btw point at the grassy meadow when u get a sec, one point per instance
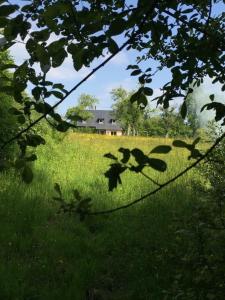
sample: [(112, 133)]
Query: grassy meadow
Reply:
[(138, 253)]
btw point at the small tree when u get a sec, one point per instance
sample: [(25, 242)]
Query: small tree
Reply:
[(130, 115), (80, 111)]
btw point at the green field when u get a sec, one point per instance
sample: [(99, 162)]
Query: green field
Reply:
[(137, 253)]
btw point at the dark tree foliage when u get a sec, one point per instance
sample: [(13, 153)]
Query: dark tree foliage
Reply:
[(184, 37), (9, 122)]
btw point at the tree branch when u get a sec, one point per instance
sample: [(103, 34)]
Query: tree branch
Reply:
[(162, 186)]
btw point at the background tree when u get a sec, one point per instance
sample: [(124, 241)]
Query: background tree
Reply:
[(80, 111), (129, 114), (10, 116), (167, 123)]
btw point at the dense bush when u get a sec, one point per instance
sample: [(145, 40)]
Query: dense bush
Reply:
[(204, 259), (9, 124)]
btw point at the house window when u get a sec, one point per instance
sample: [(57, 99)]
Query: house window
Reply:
[(113, 132), (112, 121), (100, 121)]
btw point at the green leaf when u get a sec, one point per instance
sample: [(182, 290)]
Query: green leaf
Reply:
[(183, 110), (162, 149), (58, 86), (148, 91), (36, 92), (6, 10), (212, 97), (34, 140), (77, 55), (42, 108), (117, 27), (63, 126), (57, 94), (113, 47), (135, 72), (27, 174), (42, 35), (157, 164), (141, 79)]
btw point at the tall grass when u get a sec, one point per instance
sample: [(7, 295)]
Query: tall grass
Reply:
[(127, 255)]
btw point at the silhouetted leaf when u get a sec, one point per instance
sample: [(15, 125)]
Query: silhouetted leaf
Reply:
[(148, 91), (183, 110), (212, 97), (113, 47), (157, 164), (139, 156), (126, 155), (180, 144), (218, 107), (196, 141), (117, 27), (163, 149), (34, 140), (135, 72), (111, 156), (63, 126), (6, 10)]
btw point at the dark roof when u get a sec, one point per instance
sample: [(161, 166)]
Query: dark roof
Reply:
[(107, 115)]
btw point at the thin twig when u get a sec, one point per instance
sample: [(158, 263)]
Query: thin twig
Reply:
[(151, 179)]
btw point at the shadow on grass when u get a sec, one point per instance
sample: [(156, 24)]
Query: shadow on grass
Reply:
[(127, 255)]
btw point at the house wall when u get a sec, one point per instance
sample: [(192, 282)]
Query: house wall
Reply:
[(119, 133), (114, 132)]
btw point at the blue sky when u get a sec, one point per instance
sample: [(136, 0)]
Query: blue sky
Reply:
[(111, 76)]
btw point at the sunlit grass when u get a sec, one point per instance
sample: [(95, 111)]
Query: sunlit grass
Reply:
[(46, 255)]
